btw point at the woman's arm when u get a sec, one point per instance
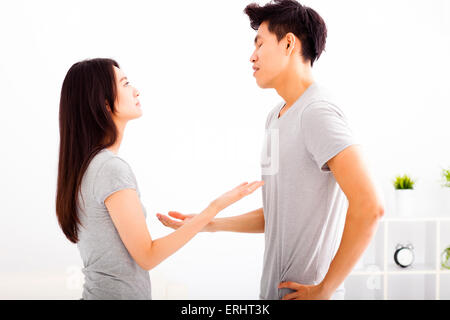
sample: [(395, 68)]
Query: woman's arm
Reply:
[(251, 222), (127, 215)]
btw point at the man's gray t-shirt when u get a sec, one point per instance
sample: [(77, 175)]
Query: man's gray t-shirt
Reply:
[(110, 271), (304, 207)]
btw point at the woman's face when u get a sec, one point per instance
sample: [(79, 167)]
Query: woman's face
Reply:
[(127, 103)]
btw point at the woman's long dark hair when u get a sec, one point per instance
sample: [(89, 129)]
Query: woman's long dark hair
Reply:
[(86, 127)]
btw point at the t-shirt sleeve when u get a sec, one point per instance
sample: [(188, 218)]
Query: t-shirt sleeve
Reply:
[(114, 175), (326, 132)]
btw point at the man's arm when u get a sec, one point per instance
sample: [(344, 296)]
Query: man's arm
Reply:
[(251, 222), (364, 211)]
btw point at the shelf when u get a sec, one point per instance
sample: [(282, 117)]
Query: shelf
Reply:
[(412, 287), (444, 242), (365, 273), (393, 269), (415, 268), (416, 219), (444, 292), (376, 276), (422, 235), (364, 287)]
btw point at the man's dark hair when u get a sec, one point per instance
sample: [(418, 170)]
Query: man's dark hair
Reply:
[(284, 16)]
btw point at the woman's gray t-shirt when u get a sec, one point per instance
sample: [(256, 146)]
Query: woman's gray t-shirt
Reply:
[(110, 271)]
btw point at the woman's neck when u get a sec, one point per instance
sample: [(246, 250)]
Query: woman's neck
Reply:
[(120, 131)]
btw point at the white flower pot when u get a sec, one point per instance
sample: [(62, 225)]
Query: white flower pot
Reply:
[(404, 200)]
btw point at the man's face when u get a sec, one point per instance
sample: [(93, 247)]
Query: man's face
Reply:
[(269, 58)]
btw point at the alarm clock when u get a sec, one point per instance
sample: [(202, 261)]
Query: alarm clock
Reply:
[(404, 255)]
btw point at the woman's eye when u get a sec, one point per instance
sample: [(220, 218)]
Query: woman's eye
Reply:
[(127, 83)]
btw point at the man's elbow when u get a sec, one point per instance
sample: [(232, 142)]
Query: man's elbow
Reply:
[(380, 211), (375, 211), (372, 211)]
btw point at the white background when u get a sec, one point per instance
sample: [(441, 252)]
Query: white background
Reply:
[(203, 123)]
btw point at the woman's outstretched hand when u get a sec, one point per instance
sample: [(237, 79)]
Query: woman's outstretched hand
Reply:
[(175, 224), (236, 194), (218, 204)]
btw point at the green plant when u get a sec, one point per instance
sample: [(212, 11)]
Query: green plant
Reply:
[(403, 182), (446, 178), (445, 263)]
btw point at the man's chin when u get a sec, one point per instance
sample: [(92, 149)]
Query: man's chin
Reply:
[(261, 84), (264, 85)]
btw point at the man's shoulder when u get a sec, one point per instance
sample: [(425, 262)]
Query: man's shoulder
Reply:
[(321, 93), (322, 99)]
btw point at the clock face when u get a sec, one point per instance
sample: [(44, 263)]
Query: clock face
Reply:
[(404, 257)]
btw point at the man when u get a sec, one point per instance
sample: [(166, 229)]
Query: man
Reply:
[(320, 205)]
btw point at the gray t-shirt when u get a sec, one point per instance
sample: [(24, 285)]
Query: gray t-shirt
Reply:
[(110, 271), (304, 207)]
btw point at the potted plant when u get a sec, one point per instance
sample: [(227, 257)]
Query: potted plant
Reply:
[(445, 258), (404, 187), (446, 185)]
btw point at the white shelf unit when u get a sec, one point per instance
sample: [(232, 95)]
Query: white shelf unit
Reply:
[(377, 277)]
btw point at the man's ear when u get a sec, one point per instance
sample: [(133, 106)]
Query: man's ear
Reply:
[(291, 41)]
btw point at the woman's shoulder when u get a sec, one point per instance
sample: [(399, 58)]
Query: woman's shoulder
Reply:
[(107, 162), (108, 173)]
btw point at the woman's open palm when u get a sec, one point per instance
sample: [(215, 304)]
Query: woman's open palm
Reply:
[(225, 200)]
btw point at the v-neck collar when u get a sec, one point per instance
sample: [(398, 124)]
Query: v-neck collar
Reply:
[(297, 102)]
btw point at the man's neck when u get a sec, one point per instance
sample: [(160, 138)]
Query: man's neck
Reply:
[(293, 84)]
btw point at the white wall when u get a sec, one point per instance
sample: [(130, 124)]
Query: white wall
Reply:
[(203, 121)]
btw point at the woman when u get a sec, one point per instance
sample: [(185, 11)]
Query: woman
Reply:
[(98, 200)]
